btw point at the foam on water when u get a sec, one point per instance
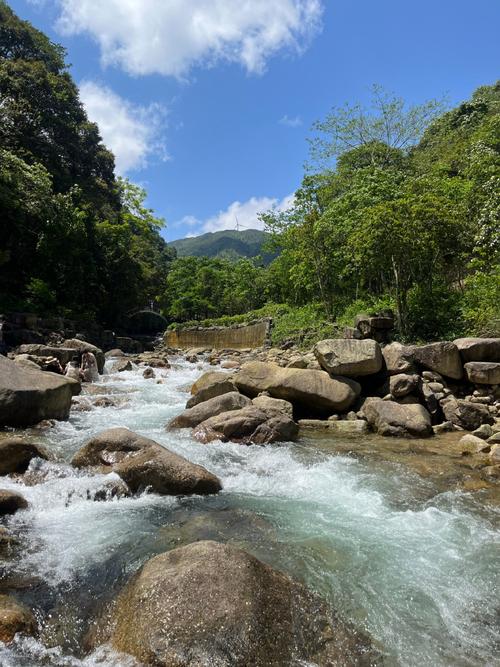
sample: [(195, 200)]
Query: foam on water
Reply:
[(421, 576)]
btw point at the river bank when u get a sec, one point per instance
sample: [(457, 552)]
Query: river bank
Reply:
[(407, 557)]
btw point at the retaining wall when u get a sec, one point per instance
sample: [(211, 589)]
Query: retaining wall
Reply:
[(219, 338)]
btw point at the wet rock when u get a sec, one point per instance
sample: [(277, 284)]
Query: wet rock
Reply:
[(143, 463), (479, 349), (248, 425), (484, 432), (472, 444), (352, 358), (442, 357), (269, 404), (16, 454), (7, 541), (483, 372), (104, 402), (398, 359), (402, 384), (214, 406), (149, 374), (122, 366), (218, 387), (310, 389), (444, 427), (212, 604), (342, 427), (14, 618), (11, 502), (114, 353), (393, 419), (28, 396), (469, 416)]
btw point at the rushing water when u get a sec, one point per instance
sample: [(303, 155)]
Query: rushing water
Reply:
[(415, 567)]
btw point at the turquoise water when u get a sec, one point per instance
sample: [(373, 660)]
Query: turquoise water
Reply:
[(414, 567)]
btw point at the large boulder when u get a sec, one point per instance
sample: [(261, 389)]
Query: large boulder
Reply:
[(352, 358), (479, 349), (394, 419), (212, 604), (14, 618), (143, 463), (306, 388), (443, 358), (465, 414), (16, 454), (28, 396), (483, 372), (249, 425), (218, 387), (208, 378), (214, 406), (80, 346), (398, 359)]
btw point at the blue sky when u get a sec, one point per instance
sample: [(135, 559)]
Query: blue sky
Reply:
[(208, 103)]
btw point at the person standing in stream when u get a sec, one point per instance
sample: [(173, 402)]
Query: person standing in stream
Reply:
[(89, 368)]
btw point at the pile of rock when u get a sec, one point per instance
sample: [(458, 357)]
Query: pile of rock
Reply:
[(395, 390)]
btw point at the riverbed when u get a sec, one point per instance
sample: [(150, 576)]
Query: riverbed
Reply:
[(408, 559)]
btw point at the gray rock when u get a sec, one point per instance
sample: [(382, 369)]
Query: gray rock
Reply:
[(29, 396), (398, 359), (479, 349), (483, 372), (442, 357), (402, 384), (465, 414), (214, 406), (350, 358), (393, 419), (212, 604), (311, 389), (143, 463), (249, 425)]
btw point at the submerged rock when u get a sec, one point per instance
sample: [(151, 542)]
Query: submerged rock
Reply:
[(11, 502), (352, 358), (214, 406), (14, 618), (143, 464), (212, 604), (16, 454), (310, 389), (397, 420), (29, 396), (248, 425)]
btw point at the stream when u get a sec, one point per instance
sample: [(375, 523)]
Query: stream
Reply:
[(412, 562)]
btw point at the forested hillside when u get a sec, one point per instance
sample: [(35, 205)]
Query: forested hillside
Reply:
[(399, 209), (74, 240), (227, 244)]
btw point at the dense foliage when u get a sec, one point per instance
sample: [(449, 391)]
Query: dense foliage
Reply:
[(74, 240)]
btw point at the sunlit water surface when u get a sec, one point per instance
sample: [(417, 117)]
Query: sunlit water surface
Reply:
[(418, 570)]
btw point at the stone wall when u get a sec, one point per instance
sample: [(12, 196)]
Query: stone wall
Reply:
[(219, 338)]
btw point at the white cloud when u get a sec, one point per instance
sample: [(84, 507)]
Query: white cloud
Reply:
[(295, 121), (238, 214), (170, 36), (131, 132)]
